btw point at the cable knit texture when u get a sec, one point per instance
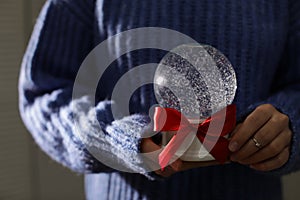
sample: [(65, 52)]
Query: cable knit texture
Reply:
[(261, 39)]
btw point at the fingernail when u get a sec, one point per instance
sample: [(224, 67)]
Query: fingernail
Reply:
[(252, 166), (232, 158), (233, 146), (176, 165)]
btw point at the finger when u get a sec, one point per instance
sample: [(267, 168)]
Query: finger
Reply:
[(186, 165), (264, 136), (274, 148), (274, 162), (237, 127), (252, 123), (148, 146), (166, 172)]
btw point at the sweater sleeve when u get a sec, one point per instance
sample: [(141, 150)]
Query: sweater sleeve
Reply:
[(62, 38), (286, 96)]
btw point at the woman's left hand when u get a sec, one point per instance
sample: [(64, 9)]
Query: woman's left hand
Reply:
[(262, 140)]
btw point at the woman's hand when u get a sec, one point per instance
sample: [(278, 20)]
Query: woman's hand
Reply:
[(148, 145), (262, 140)]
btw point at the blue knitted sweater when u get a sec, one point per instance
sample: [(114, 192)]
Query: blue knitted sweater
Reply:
[(261, 39)]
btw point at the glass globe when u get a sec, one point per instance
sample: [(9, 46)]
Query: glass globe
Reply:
[(197, 80)]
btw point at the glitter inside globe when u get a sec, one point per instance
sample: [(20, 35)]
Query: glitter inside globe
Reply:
[(197, 80)]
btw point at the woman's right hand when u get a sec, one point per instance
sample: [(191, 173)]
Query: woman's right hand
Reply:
[(147, 146)]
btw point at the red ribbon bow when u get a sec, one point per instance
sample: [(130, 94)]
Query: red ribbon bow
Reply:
[(169, 119)]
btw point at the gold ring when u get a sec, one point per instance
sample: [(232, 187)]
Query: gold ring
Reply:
[(257, 144)]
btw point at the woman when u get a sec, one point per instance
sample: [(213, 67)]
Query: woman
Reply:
[(261, 39)]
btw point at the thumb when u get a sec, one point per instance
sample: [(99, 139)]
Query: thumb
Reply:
[(148, 146)]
